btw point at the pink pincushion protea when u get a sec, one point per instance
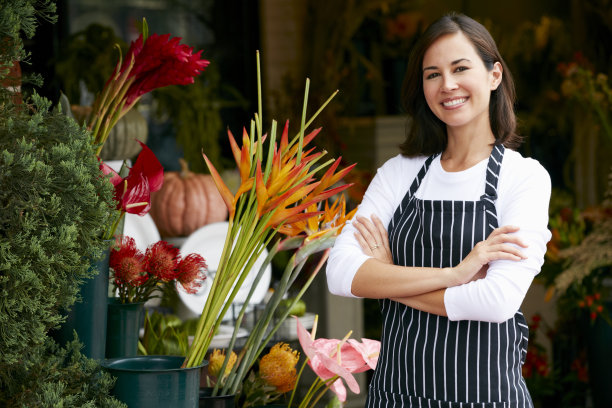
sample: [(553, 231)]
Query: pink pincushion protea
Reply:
[(127, 263), (191, 272), (161, 261)]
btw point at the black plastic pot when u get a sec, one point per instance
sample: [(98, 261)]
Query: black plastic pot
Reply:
[(154, 381), (219, 401)]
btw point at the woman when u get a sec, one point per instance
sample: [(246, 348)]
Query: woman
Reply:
[(467, 231)]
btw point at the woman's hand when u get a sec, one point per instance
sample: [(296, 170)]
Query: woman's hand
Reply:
[(497, 246), (373, 239)]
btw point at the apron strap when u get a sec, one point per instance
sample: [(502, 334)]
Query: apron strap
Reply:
[(421, 174), (490, 195), (410, 193)]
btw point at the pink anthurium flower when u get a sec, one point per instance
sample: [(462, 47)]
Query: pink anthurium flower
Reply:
[(329, 358), (369, 349)]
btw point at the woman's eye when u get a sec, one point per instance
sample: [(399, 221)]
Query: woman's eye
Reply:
[(459, 69), (432, 75)]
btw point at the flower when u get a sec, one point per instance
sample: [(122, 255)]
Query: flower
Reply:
[(317, 238), (133, 193), (215, 363), (335, 360), (277, 367), (275, 190), (157, 62), (151, 62), (369, 349), (190, 274), (320, 358), (161, 261), (127, 263), (319, 224), (136, 274)]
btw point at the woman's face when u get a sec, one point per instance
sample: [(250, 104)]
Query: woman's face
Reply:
[(456, 83)]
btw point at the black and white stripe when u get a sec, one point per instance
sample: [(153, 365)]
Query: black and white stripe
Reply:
[(427, 360)]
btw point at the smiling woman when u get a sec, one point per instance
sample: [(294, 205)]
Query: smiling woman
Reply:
[(450, 234)]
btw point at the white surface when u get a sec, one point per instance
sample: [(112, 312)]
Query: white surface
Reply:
[(224, 335), (288, 328), (208, 241)]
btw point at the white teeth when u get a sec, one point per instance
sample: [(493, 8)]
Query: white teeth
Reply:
[(454, 102)]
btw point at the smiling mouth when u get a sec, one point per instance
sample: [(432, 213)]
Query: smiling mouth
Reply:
[(453, 102)]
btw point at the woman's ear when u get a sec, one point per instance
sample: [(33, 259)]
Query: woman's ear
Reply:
[(496, 75)]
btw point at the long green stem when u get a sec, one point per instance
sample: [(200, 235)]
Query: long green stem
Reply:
[(327, 383), (303, 122)]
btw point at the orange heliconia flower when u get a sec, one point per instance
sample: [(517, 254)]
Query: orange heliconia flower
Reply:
[(288, 187), (321, 223)]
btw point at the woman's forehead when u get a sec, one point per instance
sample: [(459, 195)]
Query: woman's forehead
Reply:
[(449, 49)]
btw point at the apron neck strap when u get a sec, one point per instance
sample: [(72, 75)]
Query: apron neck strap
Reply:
[(493, 168), (419, 178)]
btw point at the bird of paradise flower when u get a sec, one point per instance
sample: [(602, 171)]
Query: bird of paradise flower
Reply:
[(274, 191)]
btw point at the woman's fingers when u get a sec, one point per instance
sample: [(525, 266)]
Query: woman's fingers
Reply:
[(363, 244), (369, 225), (508, 238), (382, 231)]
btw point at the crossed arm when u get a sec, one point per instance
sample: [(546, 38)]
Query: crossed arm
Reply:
[(424, 288)]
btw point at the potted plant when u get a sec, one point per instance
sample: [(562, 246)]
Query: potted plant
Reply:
[(55, 206)]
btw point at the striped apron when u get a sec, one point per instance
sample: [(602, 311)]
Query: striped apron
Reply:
[(427, 360)]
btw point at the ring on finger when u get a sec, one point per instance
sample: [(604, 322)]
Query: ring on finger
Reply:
[(373, 247)]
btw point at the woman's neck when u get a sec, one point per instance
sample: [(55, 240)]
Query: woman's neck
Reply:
[(466, 147)]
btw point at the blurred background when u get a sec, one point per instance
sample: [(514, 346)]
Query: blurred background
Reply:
[(558, 52)]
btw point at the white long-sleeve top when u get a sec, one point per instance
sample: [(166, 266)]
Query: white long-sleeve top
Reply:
[(523, 192)]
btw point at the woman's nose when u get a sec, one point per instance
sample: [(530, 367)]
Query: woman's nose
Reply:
[(448, 83)]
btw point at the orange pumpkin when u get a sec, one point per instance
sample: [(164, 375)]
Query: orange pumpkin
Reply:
[(186, 202)]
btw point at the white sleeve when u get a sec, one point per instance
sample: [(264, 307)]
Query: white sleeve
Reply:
[(380, 198), (498, 296)]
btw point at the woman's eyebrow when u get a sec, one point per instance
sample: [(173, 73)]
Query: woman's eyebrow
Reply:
[(452, 63)]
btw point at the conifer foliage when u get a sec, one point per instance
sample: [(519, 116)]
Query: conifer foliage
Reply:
[(54, 205)]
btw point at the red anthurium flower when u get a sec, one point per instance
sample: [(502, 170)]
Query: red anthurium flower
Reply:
[(133, 193), (191, 272), (127, 263), (161, 261)]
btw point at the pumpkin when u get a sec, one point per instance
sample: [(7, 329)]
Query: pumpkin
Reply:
[(121, 143), (186, 202)]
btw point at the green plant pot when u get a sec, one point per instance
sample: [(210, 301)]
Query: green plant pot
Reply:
[(88, 316), (599, 342), (219, 401), (154, 381), (123, 328)]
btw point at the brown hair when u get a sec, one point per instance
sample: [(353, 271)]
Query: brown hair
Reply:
[(426, 134)]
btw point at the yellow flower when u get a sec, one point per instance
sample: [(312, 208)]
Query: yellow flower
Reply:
[(215, 362), (277, 367)]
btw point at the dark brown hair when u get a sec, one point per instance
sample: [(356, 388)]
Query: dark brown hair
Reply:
[(426, 133)]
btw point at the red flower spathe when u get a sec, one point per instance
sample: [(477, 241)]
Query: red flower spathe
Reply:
[(133, 193), (160, 61)]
